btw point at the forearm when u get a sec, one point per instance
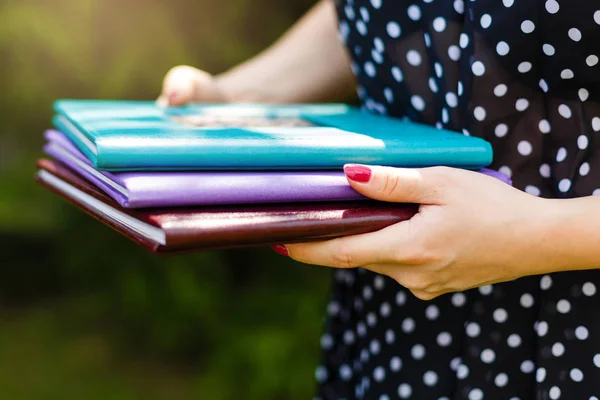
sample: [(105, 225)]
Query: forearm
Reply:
[(571, 239), (307, 64)]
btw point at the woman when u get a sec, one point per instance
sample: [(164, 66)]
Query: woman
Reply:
[(524, 75)]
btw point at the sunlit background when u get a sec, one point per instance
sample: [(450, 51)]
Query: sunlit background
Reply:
[(85, 314)]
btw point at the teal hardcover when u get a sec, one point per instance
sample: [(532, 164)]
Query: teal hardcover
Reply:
[(129, 135)]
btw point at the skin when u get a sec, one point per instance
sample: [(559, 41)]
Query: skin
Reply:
[(471, 230)]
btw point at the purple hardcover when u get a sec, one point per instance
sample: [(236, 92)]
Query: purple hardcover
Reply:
[(178, 189)]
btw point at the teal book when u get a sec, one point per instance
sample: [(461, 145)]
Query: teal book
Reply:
[(130, 136)]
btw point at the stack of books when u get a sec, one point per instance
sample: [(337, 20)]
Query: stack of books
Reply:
[(219, 176)]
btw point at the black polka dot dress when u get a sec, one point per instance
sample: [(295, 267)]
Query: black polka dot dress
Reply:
[(524, 75)]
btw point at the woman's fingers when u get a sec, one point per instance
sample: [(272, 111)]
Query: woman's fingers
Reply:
[(185, 84)]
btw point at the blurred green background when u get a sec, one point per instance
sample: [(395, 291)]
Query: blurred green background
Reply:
[(85, 314)]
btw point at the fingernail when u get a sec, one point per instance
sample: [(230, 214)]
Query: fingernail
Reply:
[(358, 173), (172, 96), (281, 249)]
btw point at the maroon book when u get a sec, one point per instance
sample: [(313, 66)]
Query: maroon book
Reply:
[(219, 227)]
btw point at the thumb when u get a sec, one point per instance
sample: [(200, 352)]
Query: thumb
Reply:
[(184, 84), (397, 185)]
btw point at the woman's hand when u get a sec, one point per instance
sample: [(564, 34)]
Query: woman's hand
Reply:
[(184, 84), (471, 230)]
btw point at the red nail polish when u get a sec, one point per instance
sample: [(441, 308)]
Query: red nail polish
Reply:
[(172, 96), (358, 173), (281, 249)]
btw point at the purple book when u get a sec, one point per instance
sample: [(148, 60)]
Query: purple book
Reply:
[(177, 189)]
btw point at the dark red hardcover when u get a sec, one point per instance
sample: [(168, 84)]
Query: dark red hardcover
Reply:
[(219, 227)]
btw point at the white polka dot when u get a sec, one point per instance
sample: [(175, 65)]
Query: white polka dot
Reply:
[(581, 332), (408, 325), (591, 60), (526, 300), (376, 4), (584, 169), (524, 148), (464, 40), (345, 372), (444, 339), (488, 356), (542, 328), (544, 126), (478, 68), (563, 306), (393, 29), (583, 94), (597, 17), (505, 170), (500, 315), (430, 378), (349, 11), (376, 56), (414, 58), (445, 115), (543, 85), (371, 319), (400, 298), (576, 375), (596, 192), (527, 367), (321, 374), (459, 6), (527, 26), (565, 111), (567, 74), (473, 329), (417, 351), (502, 48), (486, 21), (439, 71), (508, 3), (532, 190), (500, 90), (378, 43), (385, 309), (521, 104), (389, 95), (397, 74), (417, 102), (548, 49), (552, 6), (589, 289), (432, 312), (558, 349), (364, 13), (370, 69), (404, 391), (367, 292), (554, 393), (540, 375), (454, 363), (361, 329), (361, 27), (486, 290), (395, 364), (451, 99), (561, 154), (596, 124), (379, 374), (476, 394), (390, 336), (414, 12), (349, 337), (575, 34), (462, 371), (501, 379), (458, 299), (479, 113), (524, 67), (501, 130), (439, 24), (326, 341), (564, 185), (545, 171), (374, 347), (454, 52), (432, 85), (582, 142), (597, 360), (514, 340)]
